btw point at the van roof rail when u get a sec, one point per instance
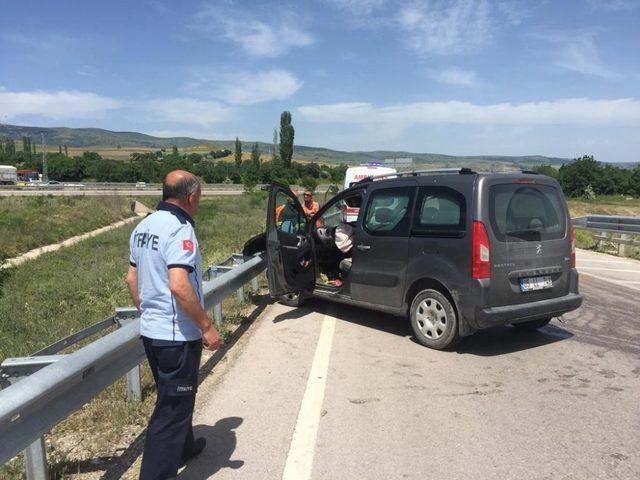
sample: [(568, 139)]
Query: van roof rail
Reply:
[(415, 173)]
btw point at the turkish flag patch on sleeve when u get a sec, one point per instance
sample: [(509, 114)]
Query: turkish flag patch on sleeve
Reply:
[(187, 245)]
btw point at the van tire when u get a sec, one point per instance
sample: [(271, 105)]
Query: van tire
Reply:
[(532, 324), (434, 320), (291, 299)]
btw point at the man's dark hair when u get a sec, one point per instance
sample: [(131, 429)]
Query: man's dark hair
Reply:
[(180, 189)]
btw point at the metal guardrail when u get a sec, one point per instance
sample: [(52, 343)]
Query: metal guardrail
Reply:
[(621, 230), (31, 407)]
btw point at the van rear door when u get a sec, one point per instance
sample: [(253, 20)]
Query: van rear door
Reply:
[(530, 239)]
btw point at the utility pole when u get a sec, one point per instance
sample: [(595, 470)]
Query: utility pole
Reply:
[(45, 172)]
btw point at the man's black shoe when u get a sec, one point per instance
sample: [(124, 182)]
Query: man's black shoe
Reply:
[(198, 447)]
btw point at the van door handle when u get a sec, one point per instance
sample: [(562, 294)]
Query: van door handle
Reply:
[(363, 248)]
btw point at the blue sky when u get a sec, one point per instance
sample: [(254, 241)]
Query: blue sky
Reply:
[(510, 77)]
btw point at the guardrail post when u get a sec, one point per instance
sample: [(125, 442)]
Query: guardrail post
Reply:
[(217, 308), (134, 387), (622, 246), (35, 461)]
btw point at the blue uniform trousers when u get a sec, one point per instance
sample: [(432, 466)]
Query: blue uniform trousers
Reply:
[(169, 439)]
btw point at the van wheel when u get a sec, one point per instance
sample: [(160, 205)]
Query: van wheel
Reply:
[(532, 324), (291, 299), (434, 320)]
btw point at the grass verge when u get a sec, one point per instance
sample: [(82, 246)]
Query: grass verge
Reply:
[(62, 292), (31, 222)]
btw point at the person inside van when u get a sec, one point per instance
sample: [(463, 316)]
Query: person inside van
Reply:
[(344, 237)]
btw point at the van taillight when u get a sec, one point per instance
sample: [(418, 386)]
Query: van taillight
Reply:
[(572, 261), (481, 252)]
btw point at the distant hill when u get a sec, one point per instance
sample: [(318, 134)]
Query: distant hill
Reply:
[(94, 137)]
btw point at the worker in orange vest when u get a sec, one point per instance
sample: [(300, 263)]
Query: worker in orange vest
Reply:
[(309, 206)]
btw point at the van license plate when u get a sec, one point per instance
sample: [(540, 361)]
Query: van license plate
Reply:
[(535, 283)]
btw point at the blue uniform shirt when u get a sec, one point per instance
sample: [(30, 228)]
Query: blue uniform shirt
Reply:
[(163, 240)]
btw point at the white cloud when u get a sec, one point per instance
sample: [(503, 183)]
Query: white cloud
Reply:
[(571, 111), (247, 88), (614, 5), (456, 76), (189, 111), (514, 11), (242, 88), (262, 40), (458, 26), (358, 6), (578, 52), (57, 105), (256, 36)]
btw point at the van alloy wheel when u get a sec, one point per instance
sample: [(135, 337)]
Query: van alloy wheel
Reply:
[(434, 320)]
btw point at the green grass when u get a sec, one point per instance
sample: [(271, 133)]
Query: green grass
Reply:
[(604, 205), (31, 222), (62, 292)]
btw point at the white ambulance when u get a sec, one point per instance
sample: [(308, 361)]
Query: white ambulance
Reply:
[(354, 174)]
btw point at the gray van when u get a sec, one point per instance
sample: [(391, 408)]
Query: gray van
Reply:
[(455, 252)]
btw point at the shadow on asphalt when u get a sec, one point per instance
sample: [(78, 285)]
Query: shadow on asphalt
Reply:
[(221, 443), (485, 343), (503, 340)]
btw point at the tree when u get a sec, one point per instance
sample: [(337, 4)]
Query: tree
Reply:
[(33, 146), (26, 148), (66, 150), (309, 183), (547, 170), (275, 145), (60, 149), (174, 150), (287, 133), (238, 153), (255, 155)]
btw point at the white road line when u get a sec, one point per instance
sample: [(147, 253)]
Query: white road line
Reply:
[(622, 283), (600, 269), (300, 457)]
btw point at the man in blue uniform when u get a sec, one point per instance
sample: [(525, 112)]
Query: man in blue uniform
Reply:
[(165, 283)]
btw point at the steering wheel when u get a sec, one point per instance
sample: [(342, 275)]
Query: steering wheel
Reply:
[(302, 241), (324, 234)]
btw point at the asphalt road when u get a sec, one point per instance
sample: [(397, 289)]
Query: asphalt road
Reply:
[(335, 392)]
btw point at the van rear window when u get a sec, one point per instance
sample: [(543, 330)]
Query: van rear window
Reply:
[(526, 212)]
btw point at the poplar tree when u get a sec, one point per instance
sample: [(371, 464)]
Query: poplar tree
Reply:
[(275, 145), (238, 153), (255, 155), (287, 133)]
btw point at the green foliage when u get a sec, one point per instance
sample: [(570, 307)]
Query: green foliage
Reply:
[(255, 155), (238, 152), (548, 170), (589, 194), (275, 145), (309, 183), (220, 153), (287, 133)]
